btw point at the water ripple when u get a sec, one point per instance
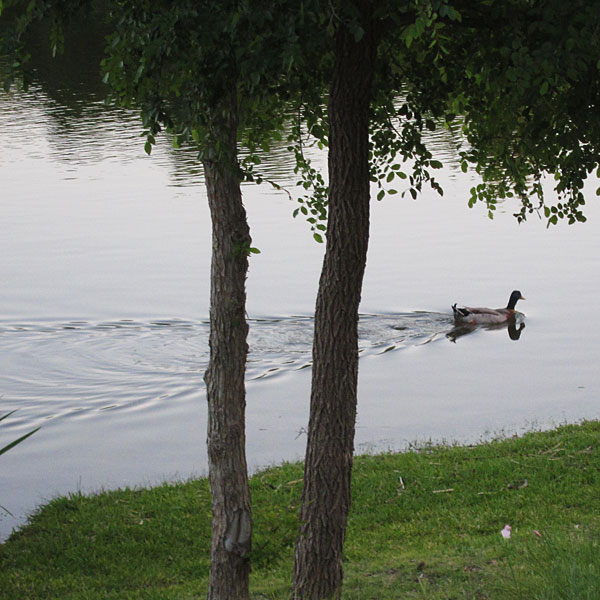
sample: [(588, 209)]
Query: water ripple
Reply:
[(77, 368)]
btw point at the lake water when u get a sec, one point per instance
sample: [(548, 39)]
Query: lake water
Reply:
[(104, 274)]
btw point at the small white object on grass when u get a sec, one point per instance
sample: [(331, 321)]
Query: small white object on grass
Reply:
[(505, 533)]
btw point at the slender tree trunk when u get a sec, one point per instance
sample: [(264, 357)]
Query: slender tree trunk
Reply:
[(231, 510), (328, 467)]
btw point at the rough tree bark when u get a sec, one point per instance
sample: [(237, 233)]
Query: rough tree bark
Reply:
[(231, 509), (328, 464)]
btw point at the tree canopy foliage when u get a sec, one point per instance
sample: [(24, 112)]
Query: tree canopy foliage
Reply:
[(529, 88), (177, 60), (517, 83), (517, 80)]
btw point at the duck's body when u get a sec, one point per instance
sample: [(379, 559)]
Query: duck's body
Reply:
[(468, 315)]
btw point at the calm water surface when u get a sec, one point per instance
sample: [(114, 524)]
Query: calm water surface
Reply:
[(104, 272)]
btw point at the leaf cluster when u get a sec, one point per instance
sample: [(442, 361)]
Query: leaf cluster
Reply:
[(179, 60), (517, 79), (529, 88), (401, 116)]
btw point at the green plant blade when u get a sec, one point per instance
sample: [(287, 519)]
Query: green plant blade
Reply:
[(17, 441), (7, 414)]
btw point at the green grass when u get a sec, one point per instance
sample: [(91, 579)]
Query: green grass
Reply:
[(425, 524)]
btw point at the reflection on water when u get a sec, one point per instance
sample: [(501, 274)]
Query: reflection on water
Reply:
[(514, 328)]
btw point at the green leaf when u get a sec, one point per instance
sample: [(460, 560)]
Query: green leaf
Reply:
[(543, 88), (357, 31), (381, 194), (408, 35), (318, 237), (253, 251), (17, 441), (598, 191), (148, 147), (7, 414)]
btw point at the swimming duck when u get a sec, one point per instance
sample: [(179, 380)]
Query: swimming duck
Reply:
[(475, 316)]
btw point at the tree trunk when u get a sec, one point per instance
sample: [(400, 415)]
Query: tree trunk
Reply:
[(328, 466), (231, 509)]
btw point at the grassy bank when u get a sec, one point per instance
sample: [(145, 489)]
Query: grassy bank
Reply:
[(425, 524)]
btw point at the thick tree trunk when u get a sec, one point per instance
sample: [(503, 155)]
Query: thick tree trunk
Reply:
[(231, 510), (328, 466)]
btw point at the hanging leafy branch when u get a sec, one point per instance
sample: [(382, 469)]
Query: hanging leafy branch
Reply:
[(313, 204), (529, 88)]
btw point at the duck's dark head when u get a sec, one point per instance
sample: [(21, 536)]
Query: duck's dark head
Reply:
[(514, 297)]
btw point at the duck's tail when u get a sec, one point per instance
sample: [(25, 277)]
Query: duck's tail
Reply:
[(460, 312)]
